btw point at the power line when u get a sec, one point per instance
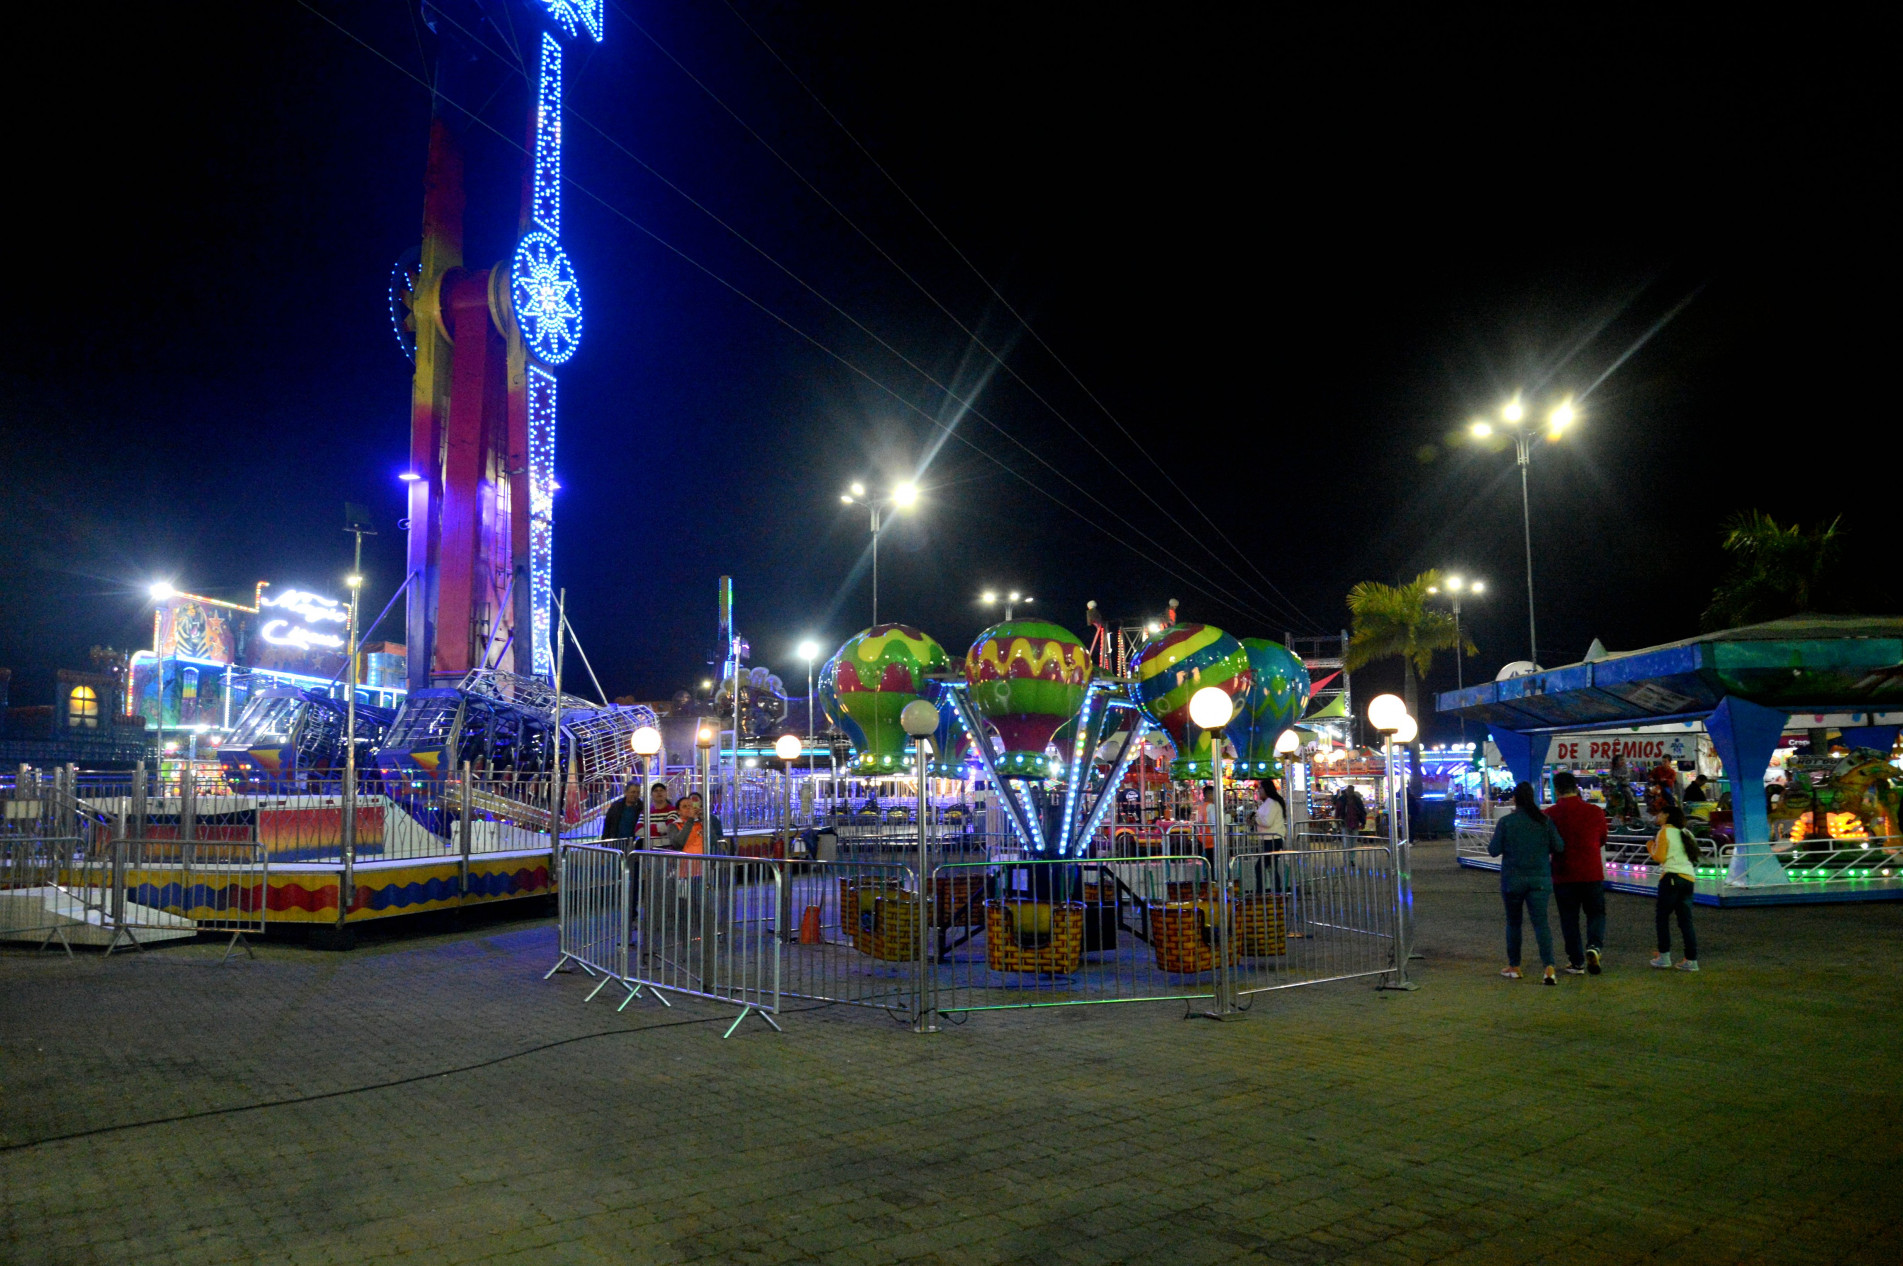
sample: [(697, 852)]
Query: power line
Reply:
[(1195, 582), (963, 328), (965, 404), (1006, 304)]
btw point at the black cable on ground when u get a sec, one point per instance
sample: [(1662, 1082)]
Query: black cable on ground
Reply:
[(381, 1085)]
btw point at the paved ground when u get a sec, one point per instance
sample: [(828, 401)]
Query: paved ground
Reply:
[(1751, 1113)]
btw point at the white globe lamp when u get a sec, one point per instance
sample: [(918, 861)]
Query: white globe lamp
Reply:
[(1211, 707), (787, 747), (646, 741), (1407, 731), (1385, 712)]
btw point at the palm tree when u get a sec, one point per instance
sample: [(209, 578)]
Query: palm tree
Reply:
[(1774, 571), (1395, 620)]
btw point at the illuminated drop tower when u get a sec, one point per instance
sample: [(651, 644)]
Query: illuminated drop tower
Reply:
[(486, 343)]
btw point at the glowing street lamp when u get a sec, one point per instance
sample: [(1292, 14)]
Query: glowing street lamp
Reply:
[(990, 598), (1514, 414), (902, 497)]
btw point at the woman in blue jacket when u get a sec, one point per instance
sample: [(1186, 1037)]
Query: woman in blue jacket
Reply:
[(1526, 841)]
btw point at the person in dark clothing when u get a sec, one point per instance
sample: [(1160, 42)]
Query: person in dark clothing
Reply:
[(1526, 842), (1699, 791), (1579, 874), (623, 819)]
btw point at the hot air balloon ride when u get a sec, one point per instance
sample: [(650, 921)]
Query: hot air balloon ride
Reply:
[(1027, 678), (1175, 664), (873, 677), (1278, 691)]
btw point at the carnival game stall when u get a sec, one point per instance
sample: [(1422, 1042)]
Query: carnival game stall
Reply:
[(1793, 724)]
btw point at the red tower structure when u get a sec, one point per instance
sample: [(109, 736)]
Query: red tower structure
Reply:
[(486, 343)]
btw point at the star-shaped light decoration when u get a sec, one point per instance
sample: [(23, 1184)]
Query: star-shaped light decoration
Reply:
[(547, 298)]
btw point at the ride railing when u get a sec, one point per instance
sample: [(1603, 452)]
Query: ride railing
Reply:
[(1854, 863)]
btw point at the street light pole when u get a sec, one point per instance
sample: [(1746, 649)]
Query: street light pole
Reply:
[(875, 564), (1526, 524)]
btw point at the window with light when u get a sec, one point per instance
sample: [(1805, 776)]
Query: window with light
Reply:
[(82, 708)]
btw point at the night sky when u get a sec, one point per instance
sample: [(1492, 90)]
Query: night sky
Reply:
[(1283, 265)]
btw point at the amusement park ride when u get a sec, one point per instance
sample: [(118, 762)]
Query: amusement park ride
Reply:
[(486, 343)]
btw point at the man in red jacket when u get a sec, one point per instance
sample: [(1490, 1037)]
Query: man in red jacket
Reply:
[(1579, 873)]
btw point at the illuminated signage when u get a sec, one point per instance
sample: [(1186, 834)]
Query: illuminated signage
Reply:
[(284, 633), (308, 607), (300, 620)]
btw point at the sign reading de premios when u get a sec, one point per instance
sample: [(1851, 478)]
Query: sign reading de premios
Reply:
[(1595, 751)]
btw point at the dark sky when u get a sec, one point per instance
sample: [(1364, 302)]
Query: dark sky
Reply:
[(1289, 260)]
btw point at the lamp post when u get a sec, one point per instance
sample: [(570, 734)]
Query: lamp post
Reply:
[(160, 591), (1388, 714), (920, 720), (990, 598), (1513, 415), (902, 497), (1210, 708), (1288, 748), (646, 742), (809, 651), (1455, 586)]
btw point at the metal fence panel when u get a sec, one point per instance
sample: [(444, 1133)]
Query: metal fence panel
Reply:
[(594, 916), (1309, 915), (709, 926), (170, 885), (37, 901), (852, 933)]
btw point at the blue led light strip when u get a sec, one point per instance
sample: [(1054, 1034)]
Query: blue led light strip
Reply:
[(1131, 746), (546, 199), (1077, 768), (541, 389), (573, 16), (1034, 830), (981, 744)]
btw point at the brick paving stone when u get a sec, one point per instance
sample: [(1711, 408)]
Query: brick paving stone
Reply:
[(1748, 1114)]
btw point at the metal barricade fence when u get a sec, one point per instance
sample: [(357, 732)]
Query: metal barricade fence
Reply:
[(1309, 915), (1069, 932), (595, 913), (709, 926), (37, 898), (852, 933), (179, 885)]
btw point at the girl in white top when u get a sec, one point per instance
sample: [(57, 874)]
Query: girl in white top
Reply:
[(1271, 816), (1676, 852)]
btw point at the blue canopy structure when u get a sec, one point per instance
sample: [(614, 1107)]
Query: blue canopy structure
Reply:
[(1743, 683)]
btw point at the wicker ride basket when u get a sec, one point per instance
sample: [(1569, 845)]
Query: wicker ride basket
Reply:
[(1034, 936), (1184, 935), (881, 917), (958, 901)]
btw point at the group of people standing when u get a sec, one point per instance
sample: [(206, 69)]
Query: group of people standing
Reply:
[(1559, 852), (683, 826)]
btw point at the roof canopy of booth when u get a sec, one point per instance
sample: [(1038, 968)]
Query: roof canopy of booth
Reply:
[(1744, 683), (1808, 663)]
